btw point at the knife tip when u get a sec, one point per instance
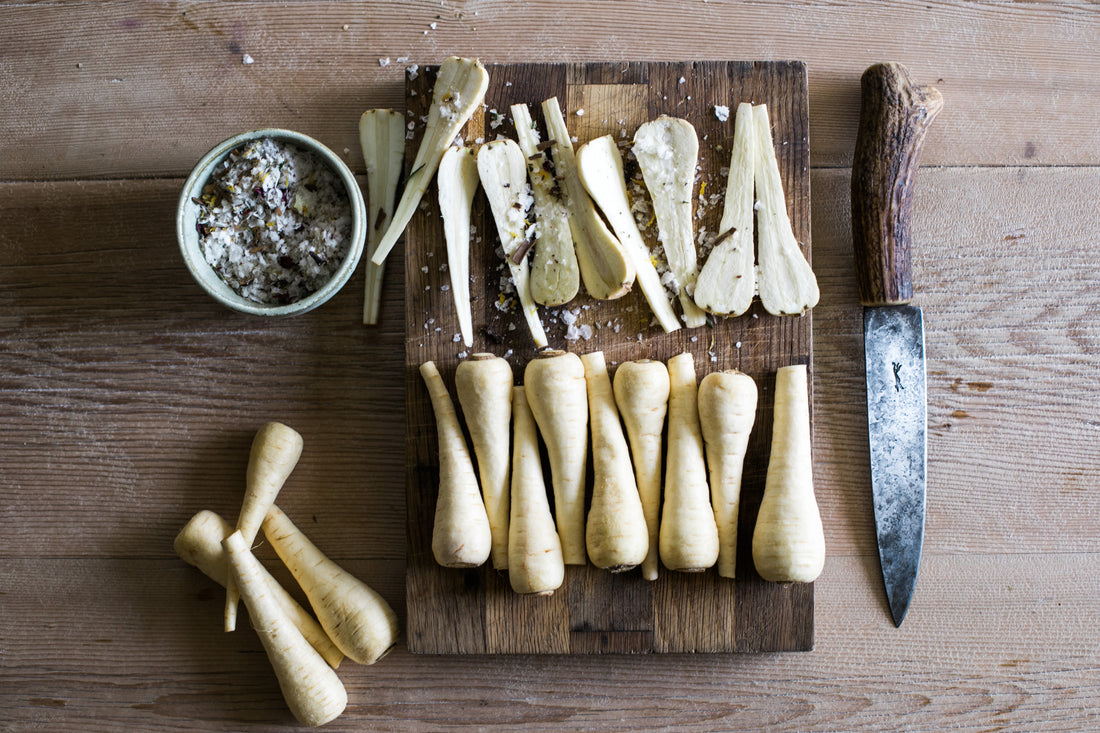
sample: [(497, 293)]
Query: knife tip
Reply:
[(898, 608)]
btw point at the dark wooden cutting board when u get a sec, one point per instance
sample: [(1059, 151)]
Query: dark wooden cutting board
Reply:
[(475, 611)]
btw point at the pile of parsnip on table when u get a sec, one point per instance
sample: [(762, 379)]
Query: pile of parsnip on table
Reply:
[(352, 620), (565, 217), (684, 515)]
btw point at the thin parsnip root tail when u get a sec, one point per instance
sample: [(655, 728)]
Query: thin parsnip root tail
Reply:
[(199, 543), (727, 411), (667, 150), (484, 386), (788, 543), (382, 138), (727, 282), (274, 454), (459, 89), (601, 169), (689, 535), (555, 275), (785, 279), (641, 393), (558, 397), (310, 687), (616, 534), (604, 266), (535, 563), (461, 537), (503, 172), (358, 620), (457, 182)]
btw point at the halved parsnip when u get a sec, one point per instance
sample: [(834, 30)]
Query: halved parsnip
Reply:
[(459, 89), (606, 270), (457, 182), (382, 138), (786, 281), (503, 172), (727, 282), (601, 169), (555, 275), (667, 150)]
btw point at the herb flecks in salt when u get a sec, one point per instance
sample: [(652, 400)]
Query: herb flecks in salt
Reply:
[(274, 222)]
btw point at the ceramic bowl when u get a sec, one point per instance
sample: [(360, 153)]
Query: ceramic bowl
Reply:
[(188, 212)]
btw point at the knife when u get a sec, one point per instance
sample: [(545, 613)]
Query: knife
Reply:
[(894, 116)]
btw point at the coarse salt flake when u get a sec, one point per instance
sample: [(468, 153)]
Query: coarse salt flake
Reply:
[(722, 112), (247, 60)]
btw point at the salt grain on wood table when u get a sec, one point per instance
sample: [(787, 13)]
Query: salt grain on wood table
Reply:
[(128, 398)]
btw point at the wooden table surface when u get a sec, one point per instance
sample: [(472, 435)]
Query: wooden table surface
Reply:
[(128, 398)]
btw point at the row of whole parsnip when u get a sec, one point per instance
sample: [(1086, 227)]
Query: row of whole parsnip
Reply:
[(565, 398), (352, 620)]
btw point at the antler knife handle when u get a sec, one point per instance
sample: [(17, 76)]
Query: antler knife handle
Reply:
[(894, 116)]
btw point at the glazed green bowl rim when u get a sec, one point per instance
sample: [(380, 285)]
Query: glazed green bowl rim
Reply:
[(191, 249)]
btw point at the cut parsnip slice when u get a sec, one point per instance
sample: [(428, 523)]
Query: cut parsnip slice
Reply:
[(555, 275), (667, 150), (459, 89), (605, 269), (382, 138), (601, 169), (785, 280), (727, 282), (503, 173), (457, 182)]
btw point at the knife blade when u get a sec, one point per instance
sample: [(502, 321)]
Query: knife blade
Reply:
[(894, 117)]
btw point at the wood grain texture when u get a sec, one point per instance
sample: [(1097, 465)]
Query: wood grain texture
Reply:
[(136, 89), (122, 413), (466, 611)]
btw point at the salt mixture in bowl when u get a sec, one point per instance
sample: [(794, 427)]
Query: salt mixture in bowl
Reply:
[(271, 222)]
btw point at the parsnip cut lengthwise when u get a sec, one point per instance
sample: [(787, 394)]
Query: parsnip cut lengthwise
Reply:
[(727, 282), (667, 150), (604, 266), (457, 182), (382, 137), (459, 89), (601, 169), (785, 281), (503, 172), (555, 275)]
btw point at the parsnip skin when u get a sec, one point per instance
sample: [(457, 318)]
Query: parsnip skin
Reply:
[(616, 534), (310, 687), (558, 397), (274, 454), (641, 393), (199, 543), (689, 535), (788, 543), (484, 386), (358, 620), (535, 564), (727, 411), (461, 537)]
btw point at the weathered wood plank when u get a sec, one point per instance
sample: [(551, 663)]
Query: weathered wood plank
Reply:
[(1007, 640), (140, 89)]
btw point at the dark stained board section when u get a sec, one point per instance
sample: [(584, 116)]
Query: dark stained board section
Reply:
[(475, 611)]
